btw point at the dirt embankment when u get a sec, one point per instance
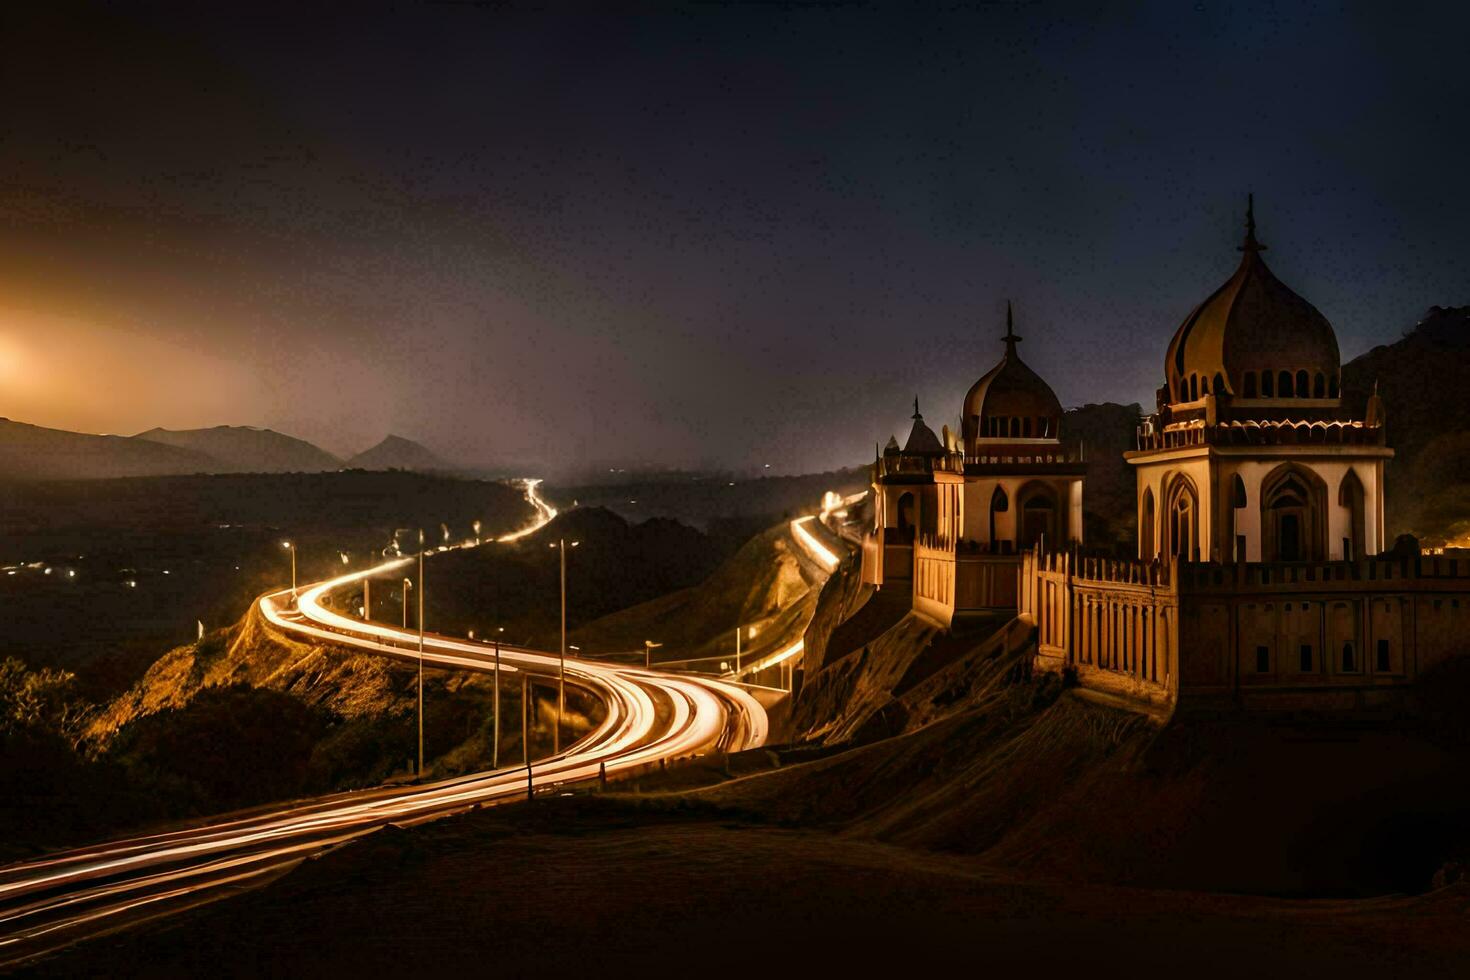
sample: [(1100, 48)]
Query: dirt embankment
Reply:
[(947, 742), (366, 703), (768, 587)]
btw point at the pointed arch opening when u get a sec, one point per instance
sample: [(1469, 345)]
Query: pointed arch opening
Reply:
[(1036, 517), (999, 504), (1350, 497), (1181, 524), (1293, 515), (906, 518), (1147, 520)]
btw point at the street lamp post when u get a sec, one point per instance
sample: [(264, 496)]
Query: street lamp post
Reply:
[(737, 651), (526, 721), (421, 653), (407, 588), (648, 648), (291, 547), (561, 670), (495, 739)]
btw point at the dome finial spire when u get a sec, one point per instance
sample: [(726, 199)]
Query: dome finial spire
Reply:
[(916, 414), (1251, 245), (1010, 338)]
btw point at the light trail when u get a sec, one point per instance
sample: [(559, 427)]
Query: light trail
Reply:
[(820, 552), (65, 897)]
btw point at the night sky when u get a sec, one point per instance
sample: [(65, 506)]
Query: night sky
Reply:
[(704, 236)]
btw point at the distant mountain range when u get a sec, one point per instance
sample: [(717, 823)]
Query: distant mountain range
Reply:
[(246, 450), (33, 452)]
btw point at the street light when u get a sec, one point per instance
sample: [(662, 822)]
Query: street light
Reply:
[(495, 741), (291, 547), (407, 588), (561, 670), (421, 654), (648, 648)]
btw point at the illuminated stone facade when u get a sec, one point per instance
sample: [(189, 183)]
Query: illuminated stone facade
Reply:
[(1251, 455), (1260, 578)]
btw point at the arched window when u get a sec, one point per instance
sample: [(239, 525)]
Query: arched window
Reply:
[(1319, 386), (906, 517), (1250, 384), (1183, 520), (1283, 384), (1267, 390), (999, 504), (1237, 492), (1303, 385), (1015, 428), (1350, 498), (1026, 427), (1348, 662), (1204, 385), (1332, 386), (1193, 387), (1146, 521), (1219, 388)]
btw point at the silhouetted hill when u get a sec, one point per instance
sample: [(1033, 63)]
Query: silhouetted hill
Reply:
[(615, 564), (711, 501), (398, 453), (1106, 431), (32, 452), (1424, 380), (243, 449)]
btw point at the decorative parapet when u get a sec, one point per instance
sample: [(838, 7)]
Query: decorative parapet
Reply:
[(896, 464), (906, 464), (1150, 438)]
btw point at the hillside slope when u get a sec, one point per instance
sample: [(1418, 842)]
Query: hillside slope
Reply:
[(243, 449), (1424, 380), (32, 452)]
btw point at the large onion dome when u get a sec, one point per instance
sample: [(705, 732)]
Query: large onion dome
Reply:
[(1253, 338), (1010, 401)]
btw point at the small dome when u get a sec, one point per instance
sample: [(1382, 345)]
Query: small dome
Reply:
[(1010, 401), (1253, 338), (922, 440)]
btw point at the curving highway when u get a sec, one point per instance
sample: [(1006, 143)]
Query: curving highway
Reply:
[(651, 718)]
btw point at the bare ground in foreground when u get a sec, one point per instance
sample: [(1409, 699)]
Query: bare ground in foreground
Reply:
[(587, 886)]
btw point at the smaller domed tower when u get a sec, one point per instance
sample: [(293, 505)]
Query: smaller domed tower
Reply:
[(1251, 455), (1022, 486), (953, 511)]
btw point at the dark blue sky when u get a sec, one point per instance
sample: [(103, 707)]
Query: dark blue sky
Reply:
[(697, 236)]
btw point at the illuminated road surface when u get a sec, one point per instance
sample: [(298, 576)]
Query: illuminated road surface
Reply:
[(72, 895)]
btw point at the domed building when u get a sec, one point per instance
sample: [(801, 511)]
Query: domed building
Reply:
[(953, 511), (1250, 455)]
